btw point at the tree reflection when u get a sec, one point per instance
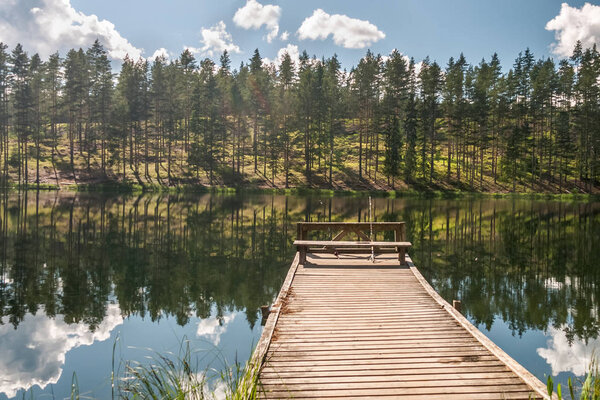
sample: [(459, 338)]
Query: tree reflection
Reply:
[(527, 262), (531, 263)]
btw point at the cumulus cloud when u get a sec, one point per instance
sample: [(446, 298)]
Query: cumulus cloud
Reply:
[(573, 24), (285, 36), (45, 26), (162, 52), (35, 353), (215, 39), (212, 328), (290, 49), (565, 357), (347, 32), (254, 15)]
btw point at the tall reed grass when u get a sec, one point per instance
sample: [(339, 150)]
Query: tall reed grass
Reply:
[(590, 385), (178, 376)]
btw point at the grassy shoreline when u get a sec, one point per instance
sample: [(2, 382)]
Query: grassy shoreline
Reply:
[(118, 187)]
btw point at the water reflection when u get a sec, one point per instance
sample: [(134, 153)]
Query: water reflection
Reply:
[(212, 328), (568, 355), (35, 353), (82, 264)]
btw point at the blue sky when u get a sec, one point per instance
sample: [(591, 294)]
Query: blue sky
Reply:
[(435, 28)]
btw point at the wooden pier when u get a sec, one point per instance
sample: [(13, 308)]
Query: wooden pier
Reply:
[(347, 326)]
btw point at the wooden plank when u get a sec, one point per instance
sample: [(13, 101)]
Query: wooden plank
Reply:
[(441, 360), (348, 328), (265, 340), (340, 225), (399, 388), (405, 370), (350, 243), (447, 396), (425, 381), (527, 376)]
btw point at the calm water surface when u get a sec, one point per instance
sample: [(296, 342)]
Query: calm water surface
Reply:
[(83, 273)]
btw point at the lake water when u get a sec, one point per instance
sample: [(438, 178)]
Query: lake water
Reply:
[(84, 277)]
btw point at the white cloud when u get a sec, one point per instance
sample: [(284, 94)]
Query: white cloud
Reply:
[(565, 357), (215, 39), (350, 33), (254, 15), (285, 36), (34, 354), (212, 328), (573, 24), (291, 49), (162, 52), (45, 26)]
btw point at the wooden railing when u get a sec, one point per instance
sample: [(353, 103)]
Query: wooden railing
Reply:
[(362, 230)]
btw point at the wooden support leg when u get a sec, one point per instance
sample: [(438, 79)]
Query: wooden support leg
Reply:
[(402, 255), (302, 250)]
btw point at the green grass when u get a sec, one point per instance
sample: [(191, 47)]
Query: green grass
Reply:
[(590, 386), (170, 376), (57, 172), (177, 377)]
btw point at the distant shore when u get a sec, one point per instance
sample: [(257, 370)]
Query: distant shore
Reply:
[(120, 187)]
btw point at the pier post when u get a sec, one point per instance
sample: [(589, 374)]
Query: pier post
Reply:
[(457, 305)]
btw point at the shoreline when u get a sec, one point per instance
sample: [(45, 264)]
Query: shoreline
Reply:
[(122, 188)]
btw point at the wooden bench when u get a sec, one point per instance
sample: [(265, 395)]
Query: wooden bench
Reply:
[(303, 247), (362, 230)]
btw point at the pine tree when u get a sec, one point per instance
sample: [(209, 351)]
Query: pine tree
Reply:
[(158, 100), (565, 142), (305, 95), (101, 92), (287, 78), (430, 78), (36, 113), (52, 87), (396, 84), (21, 92), (4, 110), (333, 108), (224, 83), (411, 123), (366, 78), (257, 100), (76, 92)]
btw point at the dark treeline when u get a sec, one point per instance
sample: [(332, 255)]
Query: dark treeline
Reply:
[(386, 123), (157, 256), (532, 264)]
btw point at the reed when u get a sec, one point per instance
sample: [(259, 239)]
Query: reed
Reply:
[(178, 377), (590, 386)]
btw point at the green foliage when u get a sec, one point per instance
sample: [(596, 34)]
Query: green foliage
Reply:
[(167, 376), (177, 377), (386, 121), (590, 387)]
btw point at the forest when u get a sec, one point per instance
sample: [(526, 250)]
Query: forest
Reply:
[(388, 123)]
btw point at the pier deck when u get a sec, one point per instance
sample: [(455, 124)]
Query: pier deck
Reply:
[(349, 328)]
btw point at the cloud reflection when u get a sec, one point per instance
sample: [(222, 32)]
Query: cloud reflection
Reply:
[(35, 353), (212, 328), (565, 357)]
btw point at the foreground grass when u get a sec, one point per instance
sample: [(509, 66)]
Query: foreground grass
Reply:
[(177, 376), (590, 386)]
